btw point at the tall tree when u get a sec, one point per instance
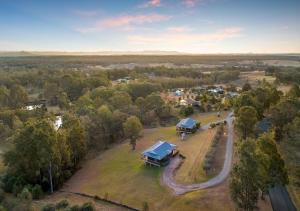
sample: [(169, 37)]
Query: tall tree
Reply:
[(35, 153), (271, 165), (132, 128), (246, 120), (244, 185), (75, 136)]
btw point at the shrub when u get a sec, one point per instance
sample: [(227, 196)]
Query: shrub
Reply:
[(75, 208), (198, 125), (209, 157), (186, 110), (62, 204), (145, 206), (37, 192), (88, 206), (49, 207), (25, 195)]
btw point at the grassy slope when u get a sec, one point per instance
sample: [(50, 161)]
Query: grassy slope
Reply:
[(121, 174)]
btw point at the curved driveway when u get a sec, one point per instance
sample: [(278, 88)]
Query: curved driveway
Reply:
[(168, 174)]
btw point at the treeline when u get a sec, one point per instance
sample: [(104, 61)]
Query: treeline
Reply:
[(285, 75), (260, 165), (43, 156)]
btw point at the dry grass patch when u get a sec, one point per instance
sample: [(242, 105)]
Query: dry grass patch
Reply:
[(206, 118), (194, 149)]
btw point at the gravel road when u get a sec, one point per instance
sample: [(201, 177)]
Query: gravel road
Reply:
[(169, 171)]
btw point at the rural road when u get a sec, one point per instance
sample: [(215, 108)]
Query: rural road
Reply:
[(169, 171)]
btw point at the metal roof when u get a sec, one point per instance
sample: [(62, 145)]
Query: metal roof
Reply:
[(187, 123), (159, 150)]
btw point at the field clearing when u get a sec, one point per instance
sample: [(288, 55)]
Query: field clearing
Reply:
[(206, 118), (255, 76), (120, 175), (75, 200), (194, 149)]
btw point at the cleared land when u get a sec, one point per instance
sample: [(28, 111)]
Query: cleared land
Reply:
[(120, 173), (74, 199)]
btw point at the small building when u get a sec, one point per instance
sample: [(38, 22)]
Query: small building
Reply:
[(187, 125), (178, 93), (159, 154), (232, 94)]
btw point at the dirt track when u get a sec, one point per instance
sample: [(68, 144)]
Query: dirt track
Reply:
[(169, 171)]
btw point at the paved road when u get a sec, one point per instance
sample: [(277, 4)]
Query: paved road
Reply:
[(168, 174), (280, 199)]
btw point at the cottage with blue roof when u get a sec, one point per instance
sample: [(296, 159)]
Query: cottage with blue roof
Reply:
[(159, 154), (187, 125)]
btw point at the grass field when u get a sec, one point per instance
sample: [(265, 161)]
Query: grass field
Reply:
[(206, 118), (254, 76), (75, 200), (194, 149), (120, 174)]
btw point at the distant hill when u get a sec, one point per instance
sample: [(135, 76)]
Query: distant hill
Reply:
[(100, 53)]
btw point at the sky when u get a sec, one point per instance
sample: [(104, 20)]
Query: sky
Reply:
[(191, 26)]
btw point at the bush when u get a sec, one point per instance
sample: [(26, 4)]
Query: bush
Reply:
[(75, 208), (186, 110), (25, 195), (145, 206), (49, 207), (198, 125), (37, 192), (88, 206), (62, 204), (209, 157)]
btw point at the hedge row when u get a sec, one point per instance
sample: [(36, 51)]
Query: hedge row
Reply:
[(210, 155)]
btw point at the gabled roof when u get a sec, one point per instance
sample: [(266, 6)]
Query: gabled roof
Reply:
[(187, 123), (159, 150)]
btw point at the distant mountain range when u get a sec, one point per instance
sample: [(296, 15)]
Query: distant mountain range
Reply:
[(109, 53), (62, 53)]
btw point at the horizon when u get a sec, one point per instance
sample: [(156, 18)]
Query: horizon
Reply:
[(189, 27)]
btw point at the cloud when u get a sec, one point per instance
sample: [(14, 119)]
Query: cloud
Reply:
[(155, 3), (190, 3), (179, 29), (181, 37), (86, 13), (123, 21)]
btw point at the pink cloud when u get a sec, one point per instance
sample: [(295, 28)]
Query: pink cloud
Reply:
[(124, 21), (154, 3), (190, 3)]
